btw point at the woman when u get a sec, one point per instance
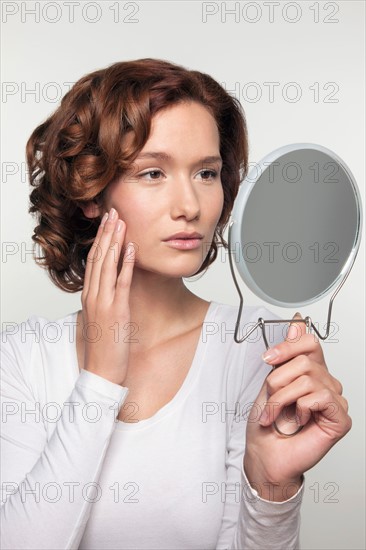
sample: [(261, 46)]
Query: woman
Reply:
[(141, 432)]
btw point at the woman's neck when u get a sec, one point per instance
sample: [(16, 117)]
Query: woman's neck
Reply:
[(163, 307)]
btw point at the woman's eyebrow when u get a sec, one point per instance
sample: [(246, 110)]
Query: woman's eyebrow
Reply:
[(165, 156)]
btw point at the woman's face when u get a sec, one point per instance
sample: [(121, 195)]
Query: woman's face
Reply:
[(178, 192)]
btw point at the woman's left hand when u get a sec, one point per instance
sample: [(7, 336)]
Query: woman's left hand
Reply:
[(273, 463)]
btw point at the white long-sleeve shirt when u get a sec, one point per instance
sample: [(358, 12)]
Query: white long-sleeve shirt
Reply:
[(74, 476)]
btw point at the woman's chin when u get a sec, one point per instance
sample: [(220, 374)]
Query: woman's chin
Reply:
[(170, 270)]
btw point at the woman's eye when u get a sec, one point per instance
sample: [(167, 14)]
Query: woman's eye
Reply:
[(150, 172), (211, 173)]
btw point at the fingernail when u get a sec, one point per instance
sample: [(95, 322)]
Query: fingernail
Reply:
[(119, 226), (293, 333), (104, 219), (270, 355), (112, 213), (130, 249)]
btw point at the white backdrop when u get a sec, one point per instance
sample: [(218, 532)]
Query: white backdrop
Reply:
[(298, 69)]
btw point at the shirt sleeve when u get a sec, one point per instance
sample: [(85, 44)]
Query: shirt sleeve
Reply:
[(249, 521), (48, 485), (261, 521)]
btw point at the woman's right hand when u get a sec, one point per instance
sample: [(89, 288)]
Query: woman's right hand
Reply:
[(105, 302)]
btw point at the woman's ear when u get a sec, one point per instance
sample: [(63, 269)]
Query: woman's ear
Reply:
[(92, 209)]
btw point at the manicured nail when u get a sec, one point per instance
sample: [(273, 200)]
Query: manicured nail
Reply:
[(119, 226), (112, 213), (104, 219), (270, 355), (130, 249)]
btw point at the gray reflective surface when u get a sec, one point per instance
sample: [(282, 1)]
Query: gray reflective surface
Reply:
[(299, 225)]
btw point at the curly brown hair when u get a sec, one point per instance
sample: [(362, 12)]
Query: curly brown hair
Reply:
[(77, 152)]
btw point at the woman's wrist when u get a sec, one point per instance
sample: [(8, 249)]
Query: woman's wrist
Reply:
[(275, 490)]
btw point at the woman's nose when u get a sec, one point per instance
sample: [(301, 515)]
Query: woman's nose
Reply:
[(184, 200)]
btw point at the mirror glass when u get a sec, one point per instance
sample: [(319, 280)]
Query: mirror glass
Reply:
[(296, 225)]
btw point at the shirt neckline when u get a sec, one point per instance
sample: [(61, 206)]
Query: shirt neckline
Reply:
[(183, 390)]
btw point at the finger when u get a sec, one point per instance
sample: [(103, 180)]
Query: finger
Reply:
[(103, 248), (304, 385), (328, 410), (125, 277), (108, 273), (285, 351), (302, 365), (296, 330), (297, 342), (294, 333), (92, 255)]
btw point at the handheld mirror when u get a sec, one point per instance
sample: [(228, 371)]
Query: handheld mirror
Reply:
[(295, 232)]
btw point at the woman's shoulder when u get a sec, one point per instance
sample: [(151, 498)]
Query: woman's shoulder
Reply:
[(36, 329), (28, 345)]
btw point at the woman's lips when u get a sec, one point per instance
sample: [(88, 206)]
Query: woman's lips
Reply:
[(184, 240), (184, 244)]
